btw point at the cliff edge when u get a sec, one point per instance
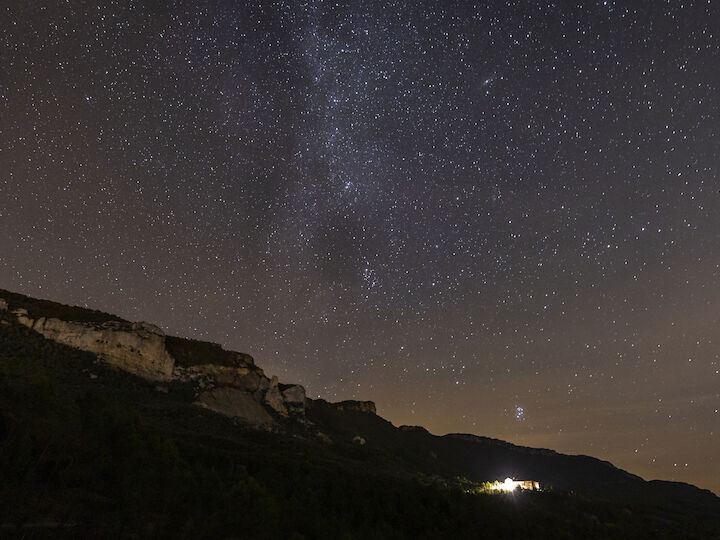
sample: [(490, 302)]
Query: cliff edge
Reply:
[(226, 382)]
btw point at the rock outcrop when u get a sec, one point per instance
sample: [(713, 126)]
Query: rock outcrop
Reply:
[(236, 388), (352, 405), (244, 377), (229, 393), (135, 347), (294, 397), (244, 380), (365, 407), (236, 404)]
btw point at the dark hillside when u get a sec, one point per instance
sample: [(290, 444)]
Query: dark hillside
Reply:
[(91, 451), (481, 459)]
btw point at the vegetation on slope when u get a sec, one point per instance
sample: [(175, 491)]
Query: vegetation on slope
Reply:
[(86, 450), (45, 308)]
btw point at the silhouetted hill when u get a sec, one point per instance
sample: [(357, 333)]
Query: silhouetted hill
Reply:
[(481, 458), (89, 450)]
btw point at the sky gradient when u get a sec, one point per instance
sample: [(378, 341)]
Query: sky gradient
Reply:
[(501, 219)]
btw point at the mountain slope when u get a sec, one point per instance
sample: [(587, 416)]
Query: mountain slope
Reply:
[(90, 450)]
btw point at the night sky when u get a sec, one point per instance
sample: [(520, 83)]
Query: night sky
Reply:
[(501, 219)]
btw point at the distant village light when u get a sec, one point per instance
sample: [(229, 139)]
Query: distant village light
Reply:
[(510, 485)]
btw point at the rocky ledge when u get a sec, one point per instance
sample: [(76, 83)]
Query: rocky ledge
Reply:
[(240, 390), (135, 347), (347, 405)]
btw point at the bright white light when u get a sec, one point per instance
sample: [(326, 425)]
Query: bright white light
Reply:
[(508, 485)]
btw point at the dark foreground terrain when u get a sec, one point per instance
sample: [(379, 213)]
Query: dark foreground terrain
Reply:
[(87, 450)]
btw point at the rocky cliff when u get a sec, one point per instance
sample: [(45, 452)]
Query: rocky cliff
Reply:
[(234, 386), (347, 405), (135, 347)]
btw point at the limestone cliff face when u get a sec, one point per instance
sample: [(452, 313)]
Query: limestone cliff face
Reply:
[(295, 399), (225, 382), (228, 388), (236, 404), (135, 347), (238, 388)]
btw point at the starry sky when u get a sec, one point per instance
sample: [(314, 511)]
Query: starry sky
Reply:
[(500, 218)]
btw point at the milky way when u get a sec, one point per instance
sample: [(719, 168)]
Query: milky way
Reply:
[(501, 219)]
